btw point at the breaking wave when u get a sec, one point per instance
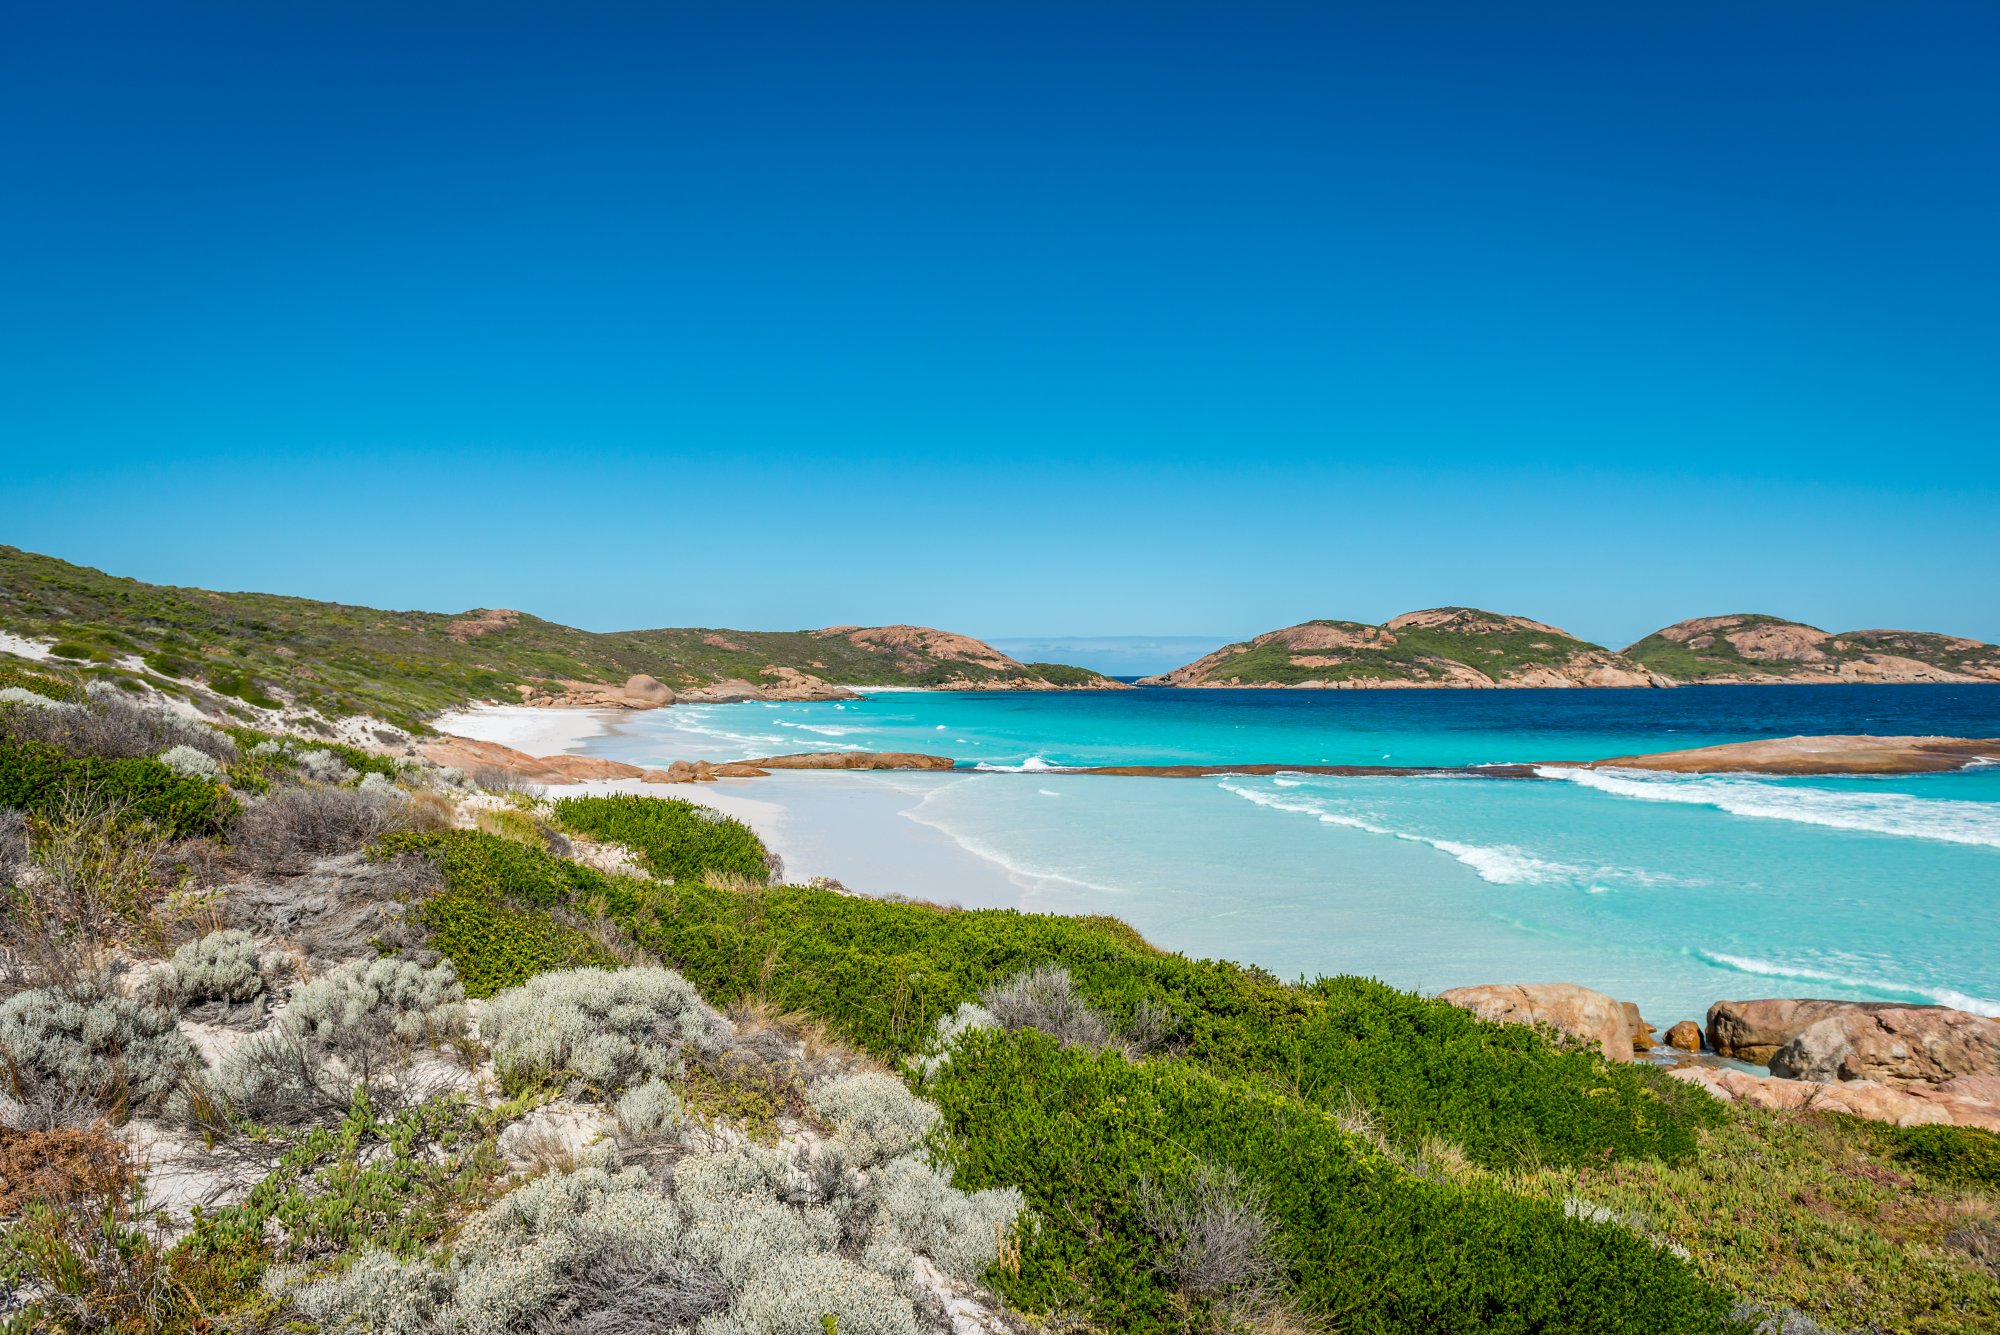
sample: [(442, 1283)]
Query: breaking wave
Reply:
[(1032, 765), (1943, 996), (1501, 865), (1896, 814)]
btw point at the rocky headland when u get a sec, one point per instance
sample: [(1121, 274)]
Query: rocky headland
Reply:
[(1752, 648), (1466, 648), (1437, 648)]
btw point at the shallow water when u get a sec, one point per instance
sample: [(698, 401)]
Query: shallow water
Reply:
[(1668, 890)]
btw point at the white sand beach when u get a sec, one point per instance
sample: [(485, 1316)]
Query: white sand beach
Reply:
[(853, 827), (539, 732)]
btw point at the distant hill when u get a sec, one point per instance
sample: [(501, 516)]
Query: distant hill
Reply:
[(1753, 647), (1437, 647), (269, 650)]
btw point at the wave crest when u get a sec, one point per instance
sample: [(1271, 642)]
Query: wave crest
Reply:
[(1896, 814), (1943, 996), (1501, 864)]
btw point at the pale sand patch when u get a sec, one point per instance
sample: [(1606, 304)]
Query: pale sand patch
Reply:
[(849, 826), (11, 643), (539, 732)]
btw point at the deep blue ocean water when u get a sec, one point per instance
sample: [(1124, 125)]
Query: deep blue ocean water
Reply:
[(1668, 890)]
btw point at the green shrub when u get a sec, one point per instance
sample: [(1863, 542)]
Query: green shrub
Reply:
[(1964, 1155), (1363, 1242), (394, 1183), (79, 651), (46, 684), (492, 919), (882, 974), (289, 749), (242, 686), (34, 775), (677, 840)]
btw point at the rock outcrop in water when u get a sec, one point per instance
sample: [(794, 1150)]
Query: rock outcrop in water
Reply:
[(1818, 755), (1908, 1065), (1753, 648), (1440, 647)]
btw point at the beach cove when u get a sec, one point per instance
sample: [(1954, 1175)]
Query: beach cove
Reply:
[(1672, 891)]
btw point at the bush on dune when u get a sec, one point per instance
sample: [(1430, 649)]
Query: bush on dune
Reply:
[(35, 775), (604, 1028), (882, 974), (1093, 1137), (285, 833), (354, 1032), (85, 1040), (680, 841)]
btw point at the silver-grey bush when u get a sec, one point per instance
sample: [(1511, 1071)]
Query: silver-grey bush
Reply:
[(604, 1028)]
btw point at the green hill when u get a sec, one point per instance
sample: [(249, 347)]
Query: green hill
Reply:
[(1755, 647), (1437, 647), (341, 660)]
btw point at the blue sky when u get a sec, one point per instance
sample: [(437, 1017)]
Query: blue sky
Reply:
[(1026, 320)]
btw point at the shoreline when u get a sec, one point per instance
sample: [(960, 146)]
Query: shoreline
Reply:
[(538, 733), (890, 834)]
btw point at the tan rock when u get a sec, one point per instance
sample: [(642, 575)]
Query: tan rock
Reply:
[(1970, 1100), (1855, 754), (647, 690), (1858, 1098), (1753, 1031), (784, 683), (1686, 1036), (468, 754), (731, 690), (1613, 1025), (1785, 641), (489, 622), (853, 760), (1895, 1044)]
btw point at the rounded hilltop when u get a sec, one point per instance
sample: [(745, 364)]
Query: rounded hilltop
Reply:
[(1756, 648), (1435, 647)]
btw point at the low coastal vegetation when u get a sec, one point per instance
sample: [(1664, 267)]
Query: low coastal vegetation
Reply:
[(402, 667), (336, 1041)]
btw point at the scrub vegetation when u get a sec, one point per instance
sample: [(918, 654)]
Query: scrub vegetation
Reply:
[(398, 1073), (403, 667)]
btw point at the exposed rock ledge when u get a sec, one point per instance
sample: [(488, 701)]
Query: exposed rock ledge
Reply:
[(639, 692), (467, 754), (1908, 1065), (1819, 755)]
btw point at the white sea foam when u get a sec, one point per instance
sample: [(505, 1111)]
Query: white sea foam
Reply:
[(1896, 814), (1943, 996), (821, 729), (1032, 765), (1501, 865), (1048, 792)]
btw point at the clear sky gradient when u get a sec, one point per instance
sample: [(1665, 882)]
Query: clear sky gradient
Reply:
[(1025, 320)]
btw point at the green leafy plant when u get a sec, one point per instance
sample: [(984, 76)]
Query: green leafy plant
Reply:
[(674, 839)]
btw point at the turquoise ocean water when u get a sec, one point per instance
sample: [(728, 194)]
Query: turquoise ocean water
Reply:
[(1670, 891)]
